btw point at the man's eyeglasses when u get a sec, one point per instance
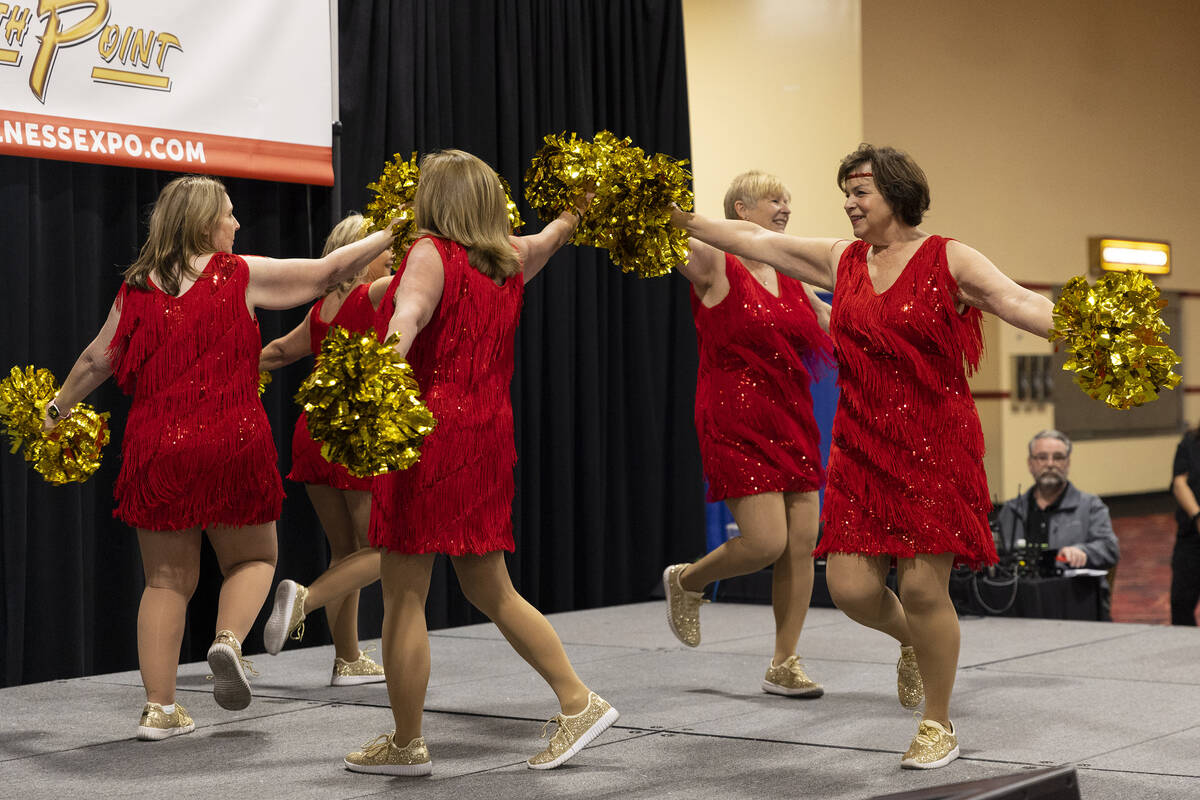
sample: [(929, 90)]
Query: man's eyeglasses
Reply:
[(1043, 458)]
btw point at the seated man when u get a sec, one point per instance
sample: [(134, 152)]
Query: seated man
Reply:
[(1057, 516)]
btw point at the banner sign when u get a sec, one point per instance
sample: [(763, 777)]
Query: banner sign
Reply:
[(224, 87)]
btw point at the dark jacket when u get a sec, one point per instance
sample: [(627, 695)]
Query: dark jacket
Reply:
[(1081, 520)]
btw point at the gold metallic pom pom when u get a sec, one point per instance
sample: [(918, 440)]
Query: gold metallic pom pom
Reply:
[(70, 453), (1113, 334), (364, 405), (394, 192), (514, 215), (631, 213), (264, 380)]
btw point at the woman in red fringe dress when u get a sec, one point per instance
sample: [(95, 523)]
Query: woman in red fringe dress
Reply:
[(197, 454), (455, 302), (760, 338), (905, 480), (342, 501)]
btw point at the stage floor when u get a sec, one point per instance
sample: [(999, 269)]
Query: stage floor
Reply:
[(1119, 701)]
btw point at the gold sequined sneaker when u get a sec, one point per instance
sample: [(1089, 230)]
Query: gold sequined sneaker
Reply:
[(287, 617), (683, 607), (231, 687), (353, 673), (910, 689), (933, 747), (157, 724), (575, 732), (789, 679), (381, 756)]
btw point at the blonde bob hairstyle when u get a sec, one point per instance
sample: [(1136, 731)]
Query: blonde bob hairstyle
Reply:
[(181, 226), (750, 187), (460, 198), (348, 231)]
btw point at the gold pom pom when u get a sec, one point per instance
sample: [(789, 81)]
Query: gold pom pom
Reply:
[(363, 404), (631, 213), (514, 215), (1113, 334), (264, 380), (394, 192), (70, 453)]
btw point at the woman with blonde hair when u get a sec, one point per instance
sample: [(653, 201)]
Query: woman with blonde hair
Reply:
[(760, 336), (342, 501), (455, 303), (197, 454), (906, 480)]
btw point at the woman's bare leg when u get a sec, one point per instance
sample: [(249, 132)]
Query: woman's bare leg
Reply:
[(405, 638), (792, 576), (171, 562), (247, 559), (858, 586), (762, 521), (486, 583), (924, 591)]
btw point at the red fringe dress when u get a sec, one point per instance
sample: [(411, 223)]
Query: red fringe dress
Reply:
[(308, 465), (754, 416), (906, 464), (197, 449), (458, 498)]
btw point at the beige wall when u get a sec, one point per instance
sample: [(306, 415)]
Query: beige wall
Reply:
[(775, 85), (1041, 124)]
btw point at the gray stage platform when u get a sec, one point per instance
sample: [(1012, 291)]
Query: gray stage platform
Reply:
[(1122, 702)]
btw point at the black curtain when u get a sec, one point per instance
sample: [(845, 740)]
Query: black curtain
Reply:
[(608, 476)]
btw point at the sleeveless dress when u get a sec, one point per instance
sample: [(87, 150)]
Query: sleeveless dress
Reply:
[(197, 449), (906, 463), (458, 498), (754, 417), (308, 465)]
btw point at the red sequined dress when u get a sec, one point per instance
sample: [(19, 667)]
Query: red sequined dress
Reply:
[(197, 449), (458, 498), (754, 416), (308, 465), (906, 464)]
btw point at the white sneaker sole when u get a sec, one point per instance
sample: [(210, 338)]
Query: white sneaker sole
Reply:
[(275, 631), (158, 734), (407, 770), (231, 689), (775, 688), (598, 727), (667, 590), (908, 763), (356, 680)]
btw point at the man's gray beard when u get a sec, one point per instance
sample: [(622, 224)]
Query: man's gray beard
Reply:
[(1050, 481)]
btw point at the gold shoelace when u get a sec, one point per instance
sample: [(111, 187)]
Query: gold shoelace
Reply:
[(558, 720), (377, 746), (926, 734)]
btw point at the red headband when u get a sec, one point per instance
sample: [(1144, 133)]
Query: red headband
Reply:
[(860, 175)]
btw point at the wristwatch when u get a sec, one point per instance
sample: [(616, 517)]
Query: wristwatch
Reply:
[(53, 413)]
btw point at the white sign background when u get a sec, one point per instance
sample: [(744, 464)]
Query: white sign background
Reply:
[(247, 91)]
